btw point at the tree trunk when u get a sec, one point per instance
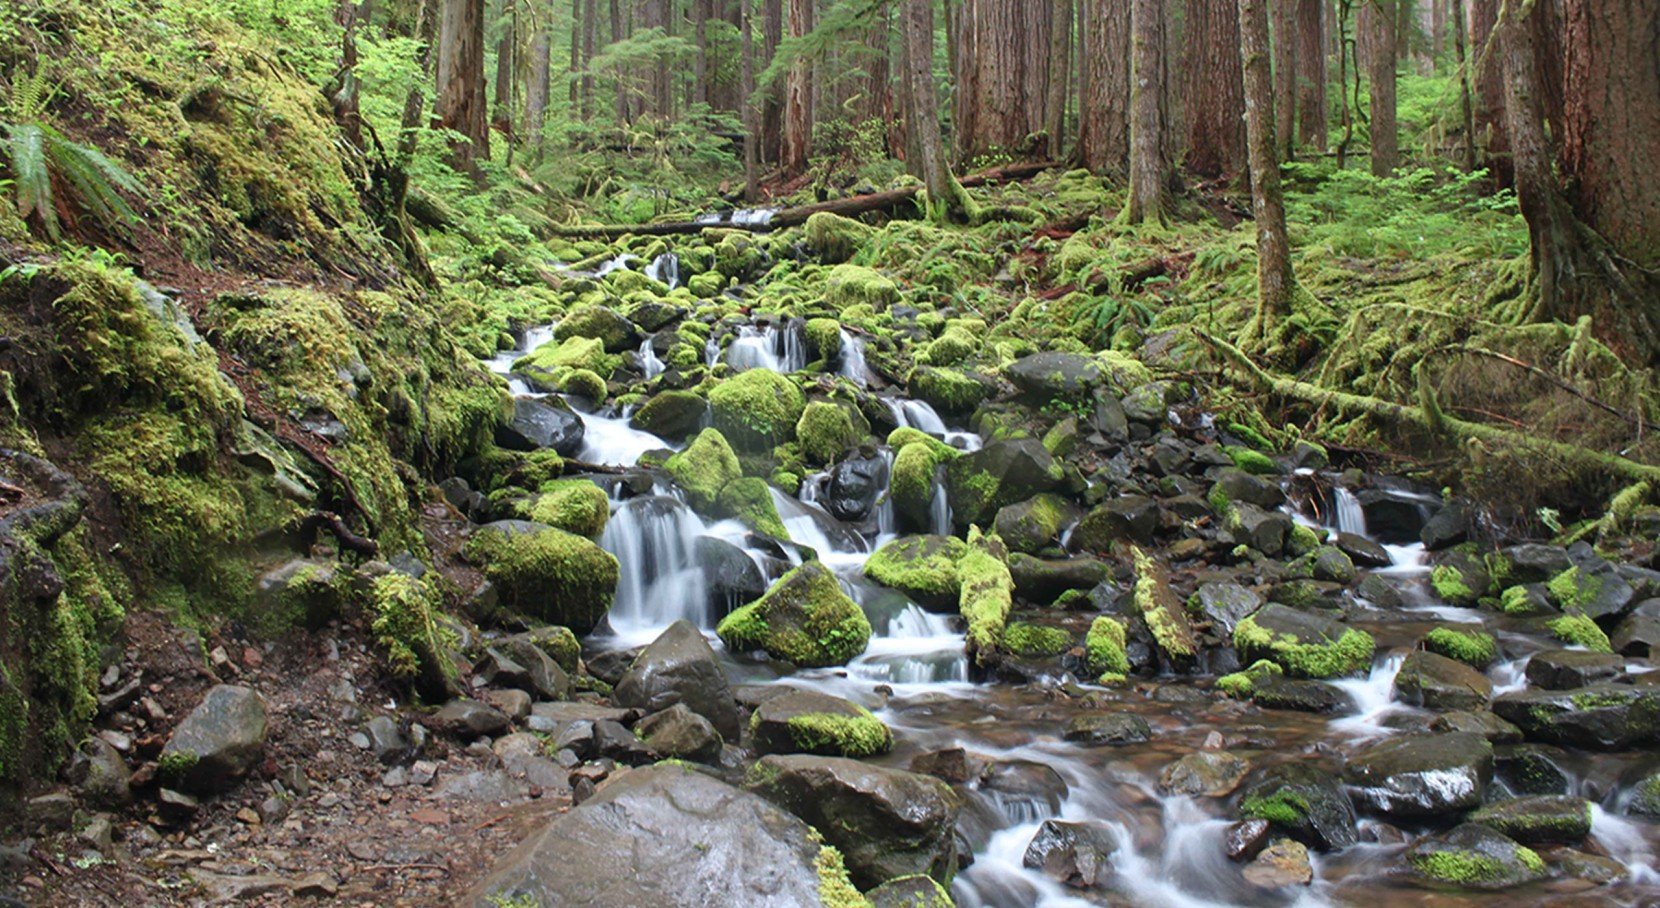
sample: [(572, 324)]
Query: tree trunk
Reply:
[(772, 110), (590, 47), (1274, 279), (1379, 22), (798, 98), (1311, 73), (1465, 93), (573, 88), (426, 24), (752, 126), (1149, 172), (1214, 90), (946, 198), (1492, 135), (1438, 31), (1003, 68), (1060, 78), (541, 78), (460, 105), (503, 88), (1104, 87), (1286, 67), (700, 64)]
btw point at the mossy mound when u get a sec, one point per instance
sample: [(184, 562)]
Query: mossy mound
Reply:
[(1104, 649), (836, 239), (912, 484), (705, 467), (1579, 630), (1305, 645), (672, 415), (824, 431), (947, 390), (987, 594), (852, 285), (1476, 649), (606, 325), (757, 410), (403, 612), (573, 505), (814, 723), (748, 500), (1021, 638), (546, 573), (550, 361), (922, 567), (824, 337), (805, 619)]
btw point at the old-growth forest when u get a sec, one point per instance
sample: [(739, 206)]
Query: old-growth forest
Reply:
[(705, 453)]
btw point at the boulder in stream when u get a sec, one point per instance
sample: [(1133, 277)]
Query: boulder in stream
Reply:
[(1472, 856), (680, 667), (1422, 776), (1305, 644), (1075, 854), (1600, 717), (1434, 681), (1304, 802), (805, 618), (545, 573), (537, 423), (804, 721), (1000, 474), (924, 568), (1539, 819)]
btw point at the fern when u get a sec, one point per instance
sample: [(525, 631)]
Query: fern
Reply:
[(36, 153)]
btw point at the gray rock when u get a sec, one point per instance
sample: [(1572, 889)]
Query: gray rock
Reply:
[(1299, 695), (1055, 375), (914, 891), (855, 484), (1132, 518), (679, 732), (1637, 636), (1261, 529), (1241, 487), (1449, 527), (1433, 681), (1211, 773), (1000, 474), (804, 721), (672, 415), (1362, 551), (667, 837), (469, 719), (218, 742), (1041, 580), (1112, 729), (886, 822), (1304, 802), (1422, 776), (1565, 669), (1074, 854), (1535, 563), (1475, 857), (1150, 403), (1540, 819), (101, 775), (536, 423), (1601, 717), (680, 667), (1017, 781), (1226, 604)]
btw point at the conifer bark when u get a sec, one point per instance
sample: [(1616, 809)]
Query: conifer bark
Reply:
[(1274, 281), (461, 105), (1104, 87), (1214, 90), (1311, 74), (1149, 170), (946, 197), (1003, 69), (1379, 22), (796, 153)]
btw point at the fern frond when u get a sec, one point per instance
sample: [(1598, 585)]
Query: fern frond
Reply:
[(27, 147)]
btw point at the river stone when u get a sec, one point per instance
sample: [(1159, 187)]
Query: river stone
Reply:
[(679, 732), (1300, 695), (1055, 375), (997, 475), (1075, 854), (1284, 863), (522, 664), (1601, 717), (101, 775), (732, 575), (1422, 776), (855, 484), (536, 423), (672, 415), (664, 836), (1566, 669), (1112, 729), (1477, 721), (1211, 773), (607, 325), (1133, 518), (1042, 581), (1226, 604), (887, 823), (1637, 636), (1261, 529), (1540, 819), (1025, 781), (1449, 527), (1533, 769), (1304, 802), (1246, 839), (1035, 524), (1284, 627), (680, 667), (805, 721), (218, 742), (462, 718), (1150, 403), (1475, 857), (924, 568), (1534, 563), (1362, 551), (1238, 486), (1433, 681)]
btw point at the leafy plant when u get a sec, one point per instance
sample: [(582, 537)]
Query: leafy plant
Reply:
[(40, 158)]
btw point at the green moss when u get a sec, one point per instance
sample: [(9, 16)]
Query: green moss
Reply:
[(1253, 462), (402, 610), (1281, 807), (706, 286), (561, 646), (1351, 653), (757, 410), (949, 390), (852, 285), (1301, 541), (1241, 685), (585, 384), (1461, 868), (835, 890), (1450, 586), (855, 736), (174, 766), (14, 728), (950, 348), (1035, 640), (912, 483), (1580, 630), (550, 575), (573, 505), (749, 501), (1599, 700), (904, 436), (1104, 647), (805, 618), (554, 357), (825, 431), (705, 467), (599, 323), (987, 593), (1160, 609), (824, 336), (923, 567), (1035, 525), (1516, 601), (1474, 648), (1573, 589)]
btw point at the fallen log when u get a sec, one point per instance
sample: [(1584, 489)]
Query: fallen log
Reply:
[(795, 217)]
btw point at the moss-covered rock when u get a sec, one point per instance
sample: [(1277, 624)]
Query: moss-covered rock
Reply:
[(546, 573), (924, 568), (704, 468), (1023, 638), (950, 348), (824, 337), (757, 410), (748, 500), (1243, 684), (805, 618), (852, 285), (1475, 648), (912, 484), (671, 415), (809, 722), (1000, 474), (1035, 524), (1162, 609), (573, 505), (403, 614), (706, 286), (1472, 856), (550, 361), (1304, 644), (584, 384), (986, 595), (1104, 649), (835, 238), (1579, 630), (824, 431), (601, 323), (946, 390)]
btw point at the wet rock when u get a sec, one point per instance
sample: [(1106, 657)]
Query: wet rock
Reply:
[(1150, 403), (1304, 643), (101, 775), (1569, 669), (1449, 527), (1480, 722), (54, 811), (672, 415), (1637, 636), (468, 719), (1210, 773), (524, 757), (1263, 530), (1246, 839), (1042, 581), (536, 423), (804, 721), (1132, 518), (955, 765), (806, 618), (1226, 604), (1284, 863), (1602, 717), (1331, 565), (1299, 695), (1539, 819), (731, 573), (1534, 563), (1012, 783), (1035, 524), (390, 742), (887, 823), (1303, 802), (1422, 775), (513, 703), (1362, 551), (1435, 682), (1532, 769), (924, 568), (1110, 730), (617, 333), (1474, 857), (1236, 485), (680, 667), (218, 742), (526, 669), (613, 740), (545, 573), (1000, 474), (915, 891), (1597, 590), (1074, 854), (1050, 376), (1393, 517), (1592, 868), (555, 718), (855, 484), (668, 837), (679, 732)]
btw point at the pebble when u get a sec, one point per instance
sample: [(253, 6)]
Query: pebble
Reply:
[(423, 772)]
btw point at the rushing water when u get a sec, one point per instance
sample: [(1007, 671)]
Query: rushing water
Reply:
[(769, 347)]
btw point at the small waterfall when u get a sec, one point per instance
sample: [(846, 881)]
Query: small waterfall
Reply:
[(502, 363), (613, 442), (939, 512), (660, 582), (1627, 842), (777, 349), (853, 360), (665, 268), (1374, 697), (1350, 517), (617, 264), (916, 414), (649, 363)]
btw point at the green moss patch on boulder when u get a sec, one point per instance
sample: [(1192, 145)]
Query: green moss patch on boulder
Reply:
[(924, 568), (757, 410), (545, 573), (824, 431), (705, 467), (805, 619), (1304, 644), (748, 500), (987, 594), (853, 285)]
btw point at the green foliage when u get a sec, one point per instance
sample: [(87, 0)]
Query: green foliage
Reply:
[(1416, 214), (37, 155)]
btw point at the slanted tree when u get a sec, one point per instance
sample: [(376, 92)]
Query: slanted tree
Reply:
[(461, 103), (946, 198), (1214, 90), (1149, 167), (1104, 87), (1274, 280), (1379, 19)]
